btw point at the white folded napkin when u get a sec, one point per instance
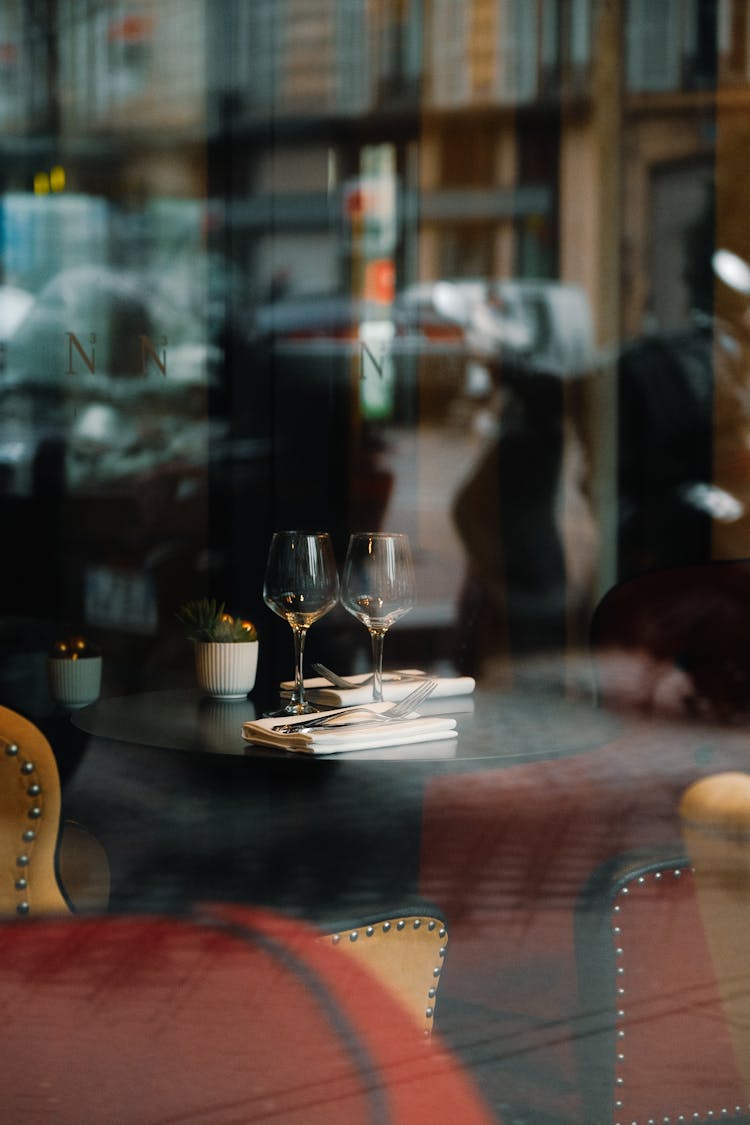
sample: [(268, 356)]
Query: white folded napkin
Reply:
[(363, 733), (393, 690)]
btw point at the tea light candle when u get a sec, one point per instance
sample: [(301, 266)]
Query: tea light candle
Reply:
[(74, 670)]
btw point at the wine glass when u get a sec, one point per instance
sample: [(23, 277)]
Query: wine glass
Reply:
[(301, 584), (377, 587)]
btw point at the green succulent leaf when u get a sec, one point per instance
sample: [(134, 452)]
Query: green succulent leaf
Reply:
[(206, 619)]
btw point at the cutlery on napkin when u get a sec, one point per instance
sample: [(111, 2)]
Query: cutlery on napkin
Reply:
[(393, 690), (360, 734)]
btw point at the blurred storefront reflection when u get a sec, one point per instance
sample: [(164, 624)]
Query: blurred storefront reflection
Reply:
[(416, 263)]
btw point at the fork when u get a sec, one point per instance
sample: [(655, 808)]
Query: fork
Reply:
[(395, 711), (342, 682)]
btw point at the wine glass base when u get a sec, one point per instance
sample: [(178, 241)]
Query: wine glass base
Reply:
[(292, 709)]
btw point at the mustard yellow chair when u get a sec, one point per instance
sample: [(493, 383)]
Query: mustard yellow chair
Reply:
[(715, 817), (45, 867), (405, 952)]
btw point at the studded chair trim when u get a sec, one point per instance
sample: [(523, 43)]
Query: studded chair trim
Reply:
[(405, 952), (653, 1046), (29, 820)]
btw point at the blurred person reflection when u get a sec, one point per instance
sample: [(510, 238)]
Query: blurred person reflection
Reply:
[(665, 397), (526, 523), (684, 421)]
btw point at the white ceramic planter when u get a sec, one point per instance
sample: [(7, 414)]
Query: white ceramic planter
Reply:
[(226, 670), (74, 683)]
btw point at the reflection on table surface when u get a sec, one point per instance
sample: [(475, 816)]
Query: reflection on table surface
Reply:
[(504, 726), (542, 790)]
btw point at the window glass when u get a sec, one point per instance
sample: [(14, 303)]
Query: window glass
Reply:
[(475, 271), (220, 222)]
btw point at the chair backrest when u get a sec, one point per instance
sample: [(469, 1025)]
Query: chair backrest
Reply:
[(29, 820), (233, 1015), (47, 866), (651, 1038), (715, 814), (690, 620), (404, 951)]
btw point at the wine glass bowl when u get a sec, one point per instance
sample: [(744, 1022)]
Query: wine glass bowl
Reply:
[(301, 585), (377, 587)]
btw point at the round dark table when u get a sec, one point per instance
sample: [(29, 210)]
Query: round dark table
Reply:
[(187, 810), (505, 727)]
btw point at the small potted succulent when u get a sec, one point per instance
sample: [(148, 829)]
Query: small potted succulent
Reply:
[(226, 648)]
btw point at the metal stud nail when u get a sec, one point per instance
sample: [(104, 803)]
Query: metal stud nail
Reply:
[(386, 927), (21, 884), (432, 992), (436, 971), (431, 924), (27, 767), (400, 924), (442, 932), (34, 813), (29, 835), (22, 860), (336, 939), (442, 951), (23, 908), (34, 789), (353, 935), (370, 931), (417, 923), (428, 1012), (11, 749)]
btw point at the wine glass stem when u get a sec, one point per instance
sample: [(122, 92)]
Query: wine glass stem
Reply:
[(298, 695), (377, 636)]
